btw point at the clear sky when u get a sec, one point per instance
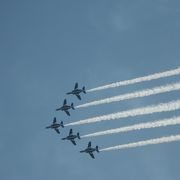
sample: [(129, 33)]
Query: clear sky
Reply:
[(45, 47)]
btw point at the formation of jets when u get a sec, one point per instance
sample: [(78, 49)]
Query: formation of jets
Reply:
[(71, 137)]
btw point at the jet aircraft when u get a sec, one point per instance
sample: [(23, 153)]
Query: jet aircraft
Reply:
[(77, 91), (56, 125), (90, 150), (72, 137), (66, 107)]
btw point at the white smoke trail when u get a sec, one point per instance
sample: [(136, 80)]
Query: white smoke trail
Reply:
[(137, 94), (139, 79), (160, 123), (166, 139), (170, 106)]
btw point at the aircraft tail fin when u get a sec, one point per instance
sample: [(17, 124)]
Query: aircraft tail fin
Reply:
[(78, 136), (84, 90), (62, 124), (72, 106), (97, 149)]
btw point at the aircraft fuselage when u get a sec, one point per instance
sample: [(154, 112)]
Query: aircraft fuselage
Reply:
[(76, 91), (55, 126), (71, 137), (89, 150), (65, 108)]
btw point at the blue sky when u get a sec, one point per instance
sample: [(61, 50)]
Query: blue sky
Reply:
[(46, 46)]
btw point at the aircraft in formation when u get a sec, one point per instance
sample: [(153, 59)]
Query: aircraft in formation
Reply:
[(56, 125), (77, 91), (66, 107), (90, 150), (71, 137)]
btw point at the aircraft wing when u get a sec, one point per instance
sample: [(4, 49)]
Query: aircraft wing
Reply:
[(67, 112), (54, 120), (70, 132), (65, 102), (76, 86), (89, 144), (92, 155), (57, 130), (78, 96), (73, 141)]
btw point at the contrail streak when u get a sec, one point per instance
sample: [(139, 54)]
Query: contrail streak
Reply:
[(170, 106), (137, 94), (166, 139), (138, 80), (156, 124)]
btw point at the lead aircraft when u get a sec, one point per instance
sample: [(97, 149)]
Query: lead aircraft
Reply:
[(55, 125)]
